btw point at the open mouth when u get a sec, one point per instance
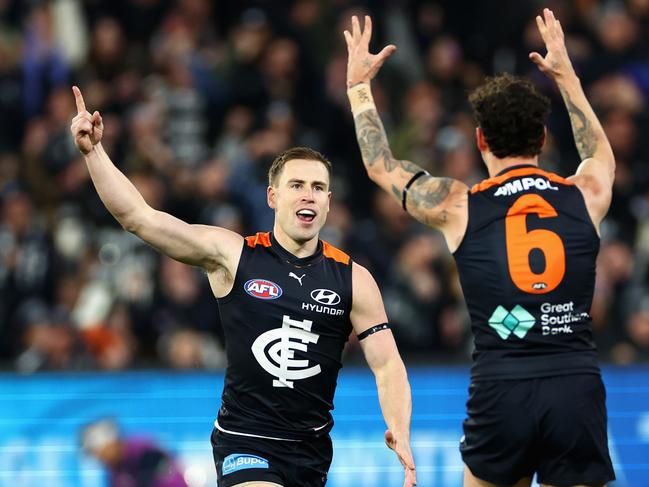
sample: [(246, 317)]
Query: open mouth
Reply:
[(306, 216)]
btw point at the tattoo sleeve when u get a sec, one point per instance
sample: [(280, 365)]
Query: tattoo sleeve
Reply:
[(426, 193), (582, 129), (374, 145)]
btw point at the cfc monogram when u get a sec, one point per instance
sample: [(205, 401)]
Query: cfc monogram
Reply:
[(275, 351)]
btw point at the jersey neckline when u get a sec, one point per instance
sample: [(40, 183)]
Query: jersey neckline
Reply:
[(297, 261), (517, 166)]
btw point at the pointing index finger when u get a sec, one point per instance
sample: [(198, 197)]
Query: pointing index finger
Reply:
[(78, 98)]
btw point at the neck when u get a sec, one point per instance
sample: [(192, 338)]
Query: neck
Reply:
[(298, 249), (496, 164)]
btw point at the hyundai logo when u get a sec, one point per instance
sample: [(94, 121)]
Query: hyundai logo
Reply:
[(325, 296)]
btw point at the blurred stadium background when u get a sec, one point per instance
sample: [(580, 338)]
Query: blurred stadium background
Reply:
[(198, 97)]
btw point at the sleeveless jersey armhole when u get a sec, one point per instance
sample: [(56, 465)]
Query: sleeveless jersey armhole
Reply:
[(229, 295), (468, 225), (582, 200)]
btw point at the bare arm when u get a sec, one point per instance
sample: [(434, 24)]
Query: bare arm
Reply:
[(205, 246), (435, 201), (596, 172), (383, 358)]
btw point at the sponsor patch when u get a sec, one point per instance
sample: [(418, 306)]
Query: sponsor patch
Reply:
[(518, 185), (262, 289), (518, 321), (325, 296), (234, 463)]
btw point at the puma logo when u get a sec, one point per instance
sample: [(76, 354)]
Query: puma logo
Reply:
[(294, 276)]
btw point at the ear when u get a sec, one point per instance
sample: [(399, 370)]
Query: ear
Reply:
[(545, 137), (480, 140), (271, 197), (328, 200)]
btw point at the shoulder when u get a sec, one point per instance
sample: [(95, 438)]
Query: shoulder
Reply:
[(363, 283), (360, 273), (260, 239), (590, 184), (334, 253)]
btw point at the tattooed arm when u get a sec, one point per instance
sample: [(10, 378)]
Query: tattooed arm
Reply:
[(596, 173), (432, 200), (437, 202)]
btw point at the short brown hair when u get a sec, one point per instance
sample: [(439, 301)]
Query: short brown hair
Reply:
[(512, 115), (292, 154)]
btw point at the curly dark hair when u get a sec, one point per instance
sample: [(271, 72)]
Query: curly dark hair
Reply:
[(512, 115)]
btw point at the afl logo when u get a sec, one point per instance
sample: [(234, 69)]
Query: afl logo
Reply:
[(325, 296), (262, 289)]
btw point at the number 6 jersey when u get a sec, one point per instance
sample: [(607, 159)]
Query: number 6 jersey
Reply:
[(527, 269), (286, 321)]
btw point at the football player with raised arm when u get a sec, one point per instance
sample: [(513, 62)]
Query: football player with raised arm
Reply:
[(288, 302), (525, 242)]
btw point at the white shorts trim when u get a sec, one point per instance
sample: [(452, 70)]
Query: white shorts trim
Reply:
[(218, 427)]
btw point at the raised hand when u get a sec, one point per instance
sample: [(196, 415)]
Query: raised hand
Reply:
[(361, 65), (86, 129), (556, 64), (402, 449)]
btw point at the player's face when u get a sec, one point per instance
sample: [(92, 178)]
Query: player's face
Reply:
[(301, 199)]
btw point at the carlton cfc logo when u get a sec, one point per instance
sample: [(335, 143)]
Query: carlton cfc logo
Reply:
[(262, 289)]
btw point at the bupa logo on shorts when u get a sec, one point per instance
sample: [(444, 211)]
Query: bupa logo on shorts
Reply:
[(262, 289), (238, 461), (325, 296), (518, 321)]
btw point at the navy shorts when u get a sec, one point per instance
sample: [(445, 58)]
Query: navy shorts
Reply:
[(554, 426), (289, 463)]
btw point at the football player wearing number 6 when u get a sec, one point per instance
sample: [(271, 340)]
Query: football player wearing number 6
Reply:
[(288, 302), (525, 242)]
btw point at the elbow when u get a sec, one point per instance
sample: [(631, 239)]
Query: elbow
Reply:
[(130, 222), (129, 225), (374, 172), (135, 219)]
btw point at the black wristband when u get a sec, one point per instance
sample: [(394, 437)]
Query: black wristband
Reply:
[(373, 330), (407, 187)]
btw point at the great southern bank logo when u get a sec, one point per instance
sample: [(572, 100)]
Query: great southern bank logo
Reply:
[(262, 289), (518, 321), (236, 462)]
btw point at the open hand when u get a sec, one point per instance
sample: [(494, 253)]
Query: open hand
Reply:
[(361, 65), (556, 63), (402, 449), (86, 129)]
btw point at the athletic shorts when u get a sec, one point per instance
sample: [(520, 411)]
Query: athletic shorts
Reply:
[(554, 426), (289, 463)]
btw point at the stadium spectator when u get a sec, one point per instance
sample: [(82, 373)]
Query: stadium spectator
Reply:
[(130, 461)]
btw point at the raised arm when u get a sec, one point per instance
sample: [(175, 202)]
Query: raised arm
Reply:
[(596, 172), (435, 201), (205, 246), (377, 342)]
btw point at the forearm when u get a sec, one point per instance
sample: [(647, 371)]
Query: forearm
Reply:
[(119, 195), (372, 139), (394, 397), (589, 135), (426, 195)]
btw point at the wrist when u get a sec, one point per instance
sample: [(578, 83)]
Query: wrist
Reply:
[(568, 81), (95, 149), (360, 98)]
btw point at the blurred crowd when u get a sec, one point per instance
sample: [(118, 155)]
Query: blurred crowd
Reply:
[(199, 96)]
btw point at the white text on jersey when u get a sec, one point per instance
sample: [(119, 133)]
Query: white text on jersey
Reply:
[(523, 184)]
